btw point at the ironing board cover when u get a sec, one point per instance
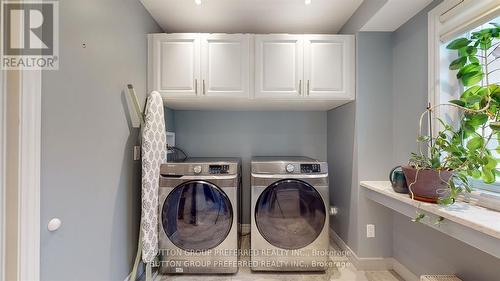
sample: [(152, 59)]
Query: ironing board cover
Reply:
[(154, 153)]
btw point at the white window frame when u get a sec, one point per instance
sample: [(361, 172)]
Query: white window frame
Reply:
[(447, 20)]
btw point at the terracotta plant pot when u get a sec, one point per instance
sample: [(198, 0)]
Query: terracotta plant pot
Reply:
[(429, 186)]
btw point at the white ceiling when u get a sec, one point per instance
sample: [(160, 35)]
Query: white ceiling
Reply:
[(252, 16), (394, 14)]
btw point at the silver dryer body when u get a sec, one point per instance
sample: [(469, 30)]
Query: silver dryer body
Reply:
[(289, 218)]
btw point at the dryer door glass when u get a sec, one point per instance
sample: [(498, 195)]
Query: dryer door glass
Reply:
[(196, 216), (290, 214)]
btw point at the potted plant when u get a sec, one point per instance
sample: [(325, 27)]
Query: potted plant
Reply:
[(462, 149)]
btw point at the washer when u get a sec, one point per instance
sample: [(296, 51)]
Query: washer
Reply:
[(199, 216), (289, 214)]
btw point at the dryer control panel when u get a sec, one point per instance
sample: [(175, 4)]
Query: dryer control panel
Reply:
[(310, 168), (218, 169)]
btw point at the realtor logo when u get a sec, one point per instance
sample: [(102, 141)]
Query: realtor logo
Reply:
[(29, 35)]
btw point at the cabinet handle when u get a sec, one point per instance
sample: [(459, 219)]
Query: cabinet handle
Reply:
[(300, 87), (308, 87), (204, 92), (196, 86)]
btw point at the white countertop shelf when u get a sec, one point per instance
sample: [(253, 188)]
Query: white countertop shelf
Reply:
[(474, 225)]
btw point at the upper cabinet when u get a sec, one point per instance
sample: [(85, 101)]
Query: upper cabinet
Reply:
[(175, 62), (329, 66), (243, 71), (190, 65), (278, 66), (225, 65)]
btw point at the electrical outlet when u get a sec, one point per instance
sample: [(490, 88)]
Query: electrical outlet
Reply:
[(137, 152), (370, 230), (333, 211)]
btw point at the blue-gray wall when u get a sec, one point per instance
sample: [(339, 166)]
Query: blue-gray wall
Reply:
[(89, 179), (170, 119), (247, 134), (361, 16), (360, 148)]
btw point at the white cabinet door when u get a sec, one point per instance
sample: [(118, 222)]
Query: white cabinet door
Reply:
[(329, 66), (225, 65), (175, 63), (278, 66)]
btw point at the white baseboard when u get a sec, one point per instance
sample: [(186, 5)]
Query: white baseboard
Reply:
[(403, 271), (141, 272), (376, 263)]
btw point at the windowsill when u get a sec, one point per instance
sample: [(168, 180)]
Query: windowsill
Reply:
[(482, 198), (474, 225)]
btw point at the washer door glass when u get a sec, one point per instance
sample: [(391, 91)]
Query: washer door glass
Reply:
[(197, 215), (290, 214)]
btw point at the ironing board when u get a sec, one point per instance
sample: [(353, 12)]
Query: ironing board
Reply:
[(154, 153)]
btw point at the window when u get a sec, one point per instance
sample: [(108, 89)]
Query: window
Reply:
[(451, 20), (454, 89)]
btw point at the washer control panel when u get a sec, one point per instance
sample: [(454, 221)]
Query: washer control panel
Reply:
[(310, 168), (218, 169)]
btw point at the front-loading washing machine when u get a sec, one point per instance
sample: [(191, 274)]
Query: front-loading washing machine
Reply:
[(289, 223), (199, 216)]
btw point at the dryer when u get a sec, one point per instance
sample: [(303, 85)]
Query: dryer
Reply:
[(289, 223), (199, 216)]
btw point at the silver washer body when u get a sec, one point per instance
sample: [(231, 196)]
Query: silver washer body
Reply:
[(222, 258)]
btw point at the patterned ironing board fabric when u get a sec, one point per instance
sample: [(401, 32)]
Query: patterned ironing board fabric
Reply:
[(154, 153)]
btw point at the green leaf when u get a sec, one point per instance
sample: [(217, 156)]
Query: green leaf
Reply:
[(458, 43), (475, 174), (418, 218), (491, 163), (477, 119), (458, 63), (472, 100), (439, 221), (496, 172), (469, 50), (470, 91), (485, 44), (494, 92), (488, 175), (472, 78), (435, 162), (475, 143), (470, 68), (446, 201), (495, 126), (473, 59)]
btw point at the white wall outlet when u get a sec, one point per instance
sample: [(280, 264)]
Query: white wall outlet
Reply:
[(334, 211), (370, 230), (137, 152)]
